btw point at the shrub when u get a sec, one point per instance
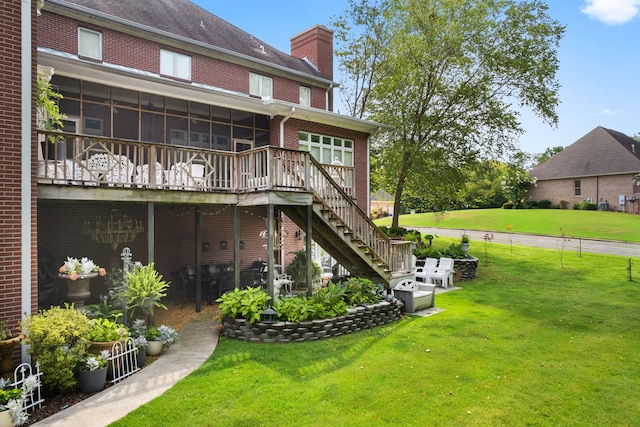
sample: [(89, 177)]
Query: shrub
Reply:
[(57, 338), (360, 291), (452, 251), (104, 330), (507, 205), (564, 204), (247, 303), (328, 302), (394, 231), (544, 204), (585, 206)]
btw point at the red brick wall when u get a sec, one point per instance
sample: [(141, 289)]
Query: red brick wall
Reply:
[(61, 33), (11, 265)]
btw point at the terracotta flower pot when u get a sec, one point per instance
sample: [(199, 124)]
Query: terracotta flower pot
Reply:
[(6, 349)]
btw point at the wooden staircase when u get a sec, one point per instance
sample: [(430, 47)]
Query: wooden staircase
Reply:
[(347, 233)]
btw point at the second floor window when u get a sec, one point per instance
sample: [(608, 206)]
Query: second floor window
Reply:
[(260, 85), (89, 43), (305, 96), (175, 65)]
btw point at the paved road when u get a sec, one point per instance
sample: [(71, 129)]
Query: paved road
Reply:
[(550, 242)]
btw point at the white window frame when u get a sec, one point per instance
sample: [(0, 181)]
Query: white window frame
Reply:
[(89, 43), (261, 86), (335, 148), (305, 96), (175, 64)]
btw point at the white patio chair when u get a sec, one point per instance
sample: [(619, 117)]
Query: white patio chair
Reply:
[(422, 273), (142, 175), (442, 274), (282, 281)]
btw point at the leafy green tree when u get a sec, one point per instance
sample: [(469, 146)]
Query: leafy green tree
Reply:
[(449, 75), (516, 181), (548, 153)]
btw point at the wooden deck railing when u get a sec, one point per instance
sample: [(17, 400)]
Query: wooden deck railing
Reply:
[(73, 159)]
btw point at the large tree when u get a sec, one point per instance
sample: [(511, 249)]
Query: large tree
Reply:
[(450, 76)]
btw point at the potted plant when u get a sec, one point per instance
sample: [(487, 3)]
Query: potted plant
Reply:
[(145, 288), (154, 345), (104, 334), (12, 400), (168, 335), (79, 273), (8, 340), (298, 268), (139, 335), (465, 241), (92, 373)]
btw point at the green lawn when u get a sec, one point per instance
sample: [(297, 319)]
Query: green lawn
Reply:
[(527, 343), (585, 224)]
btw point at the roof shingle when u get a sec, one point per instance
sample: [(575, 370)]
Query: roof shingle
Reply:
[(186, 19), (600, 152)]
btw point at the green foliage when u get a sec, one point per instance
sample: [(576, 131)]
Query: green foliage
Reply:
[(152, 333), (585, 206), (454, 250), (57, 338), (104, 310), (359, 291), (10, 394), (544, 204), (246, 303), (450, 77), (328, 302), (508, 205), (394, 231), (5, 332), (298, 267), (145, 288), (48, 115), (104, 330), (548, 153)]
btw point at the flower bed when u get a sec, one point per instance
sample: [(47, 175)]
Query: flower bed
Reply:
[(355, 320)]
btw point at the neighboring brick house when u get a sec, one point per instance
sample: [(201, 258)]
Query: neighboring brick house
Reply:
[(191, 138), (599, 167)]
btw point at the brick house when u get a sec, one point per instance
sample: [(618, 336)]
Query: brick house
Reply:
[(599, 167), (186, 140)]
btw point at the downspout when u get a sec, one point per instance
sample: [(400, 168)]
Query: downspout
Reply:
[(326, 97), (282, 122), (26, 143)]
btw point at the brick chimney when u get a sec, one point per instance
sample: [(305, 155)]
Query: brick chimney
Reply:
[(316, 46)]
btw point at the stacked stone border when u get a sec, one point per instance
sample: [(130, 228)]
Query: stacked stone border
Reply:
[(468, 267), (355, 320)]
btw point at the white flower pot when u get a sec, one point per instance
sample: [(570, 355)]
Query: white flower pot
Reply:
[(154, 348), (5, 419)]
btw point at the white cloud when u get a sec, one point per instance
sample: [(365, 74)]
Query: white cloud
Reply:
[(612, 12), (607, 112)]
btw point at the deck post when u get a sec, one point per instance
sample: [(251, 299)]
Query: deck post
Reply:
[(198, 240), (236, 246), (308, 240), (270, 251), (151, 236)]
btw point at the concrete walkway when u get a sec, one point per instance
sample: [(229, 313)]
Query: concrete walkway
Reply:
[(196, 342), (599, 246)]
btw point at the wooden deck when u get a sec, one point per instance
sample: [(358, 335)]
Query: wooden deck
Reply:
[(82, 167)]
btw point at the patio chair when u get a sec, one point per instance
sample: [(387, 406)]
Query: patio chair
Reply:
[(422, 273), (442, 274), (415, 295), (282, 281)]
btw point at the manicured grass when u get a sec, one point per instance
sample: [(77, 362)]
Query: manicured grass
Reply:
[(527, 343), (585, 224)]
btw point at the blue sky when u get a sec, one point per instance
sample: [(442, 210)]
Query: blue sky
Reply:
[(599, 58)]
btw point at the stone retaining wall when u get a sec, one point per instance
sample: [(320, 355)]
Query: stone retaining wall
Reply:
[(468, 267), (357, 319)]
